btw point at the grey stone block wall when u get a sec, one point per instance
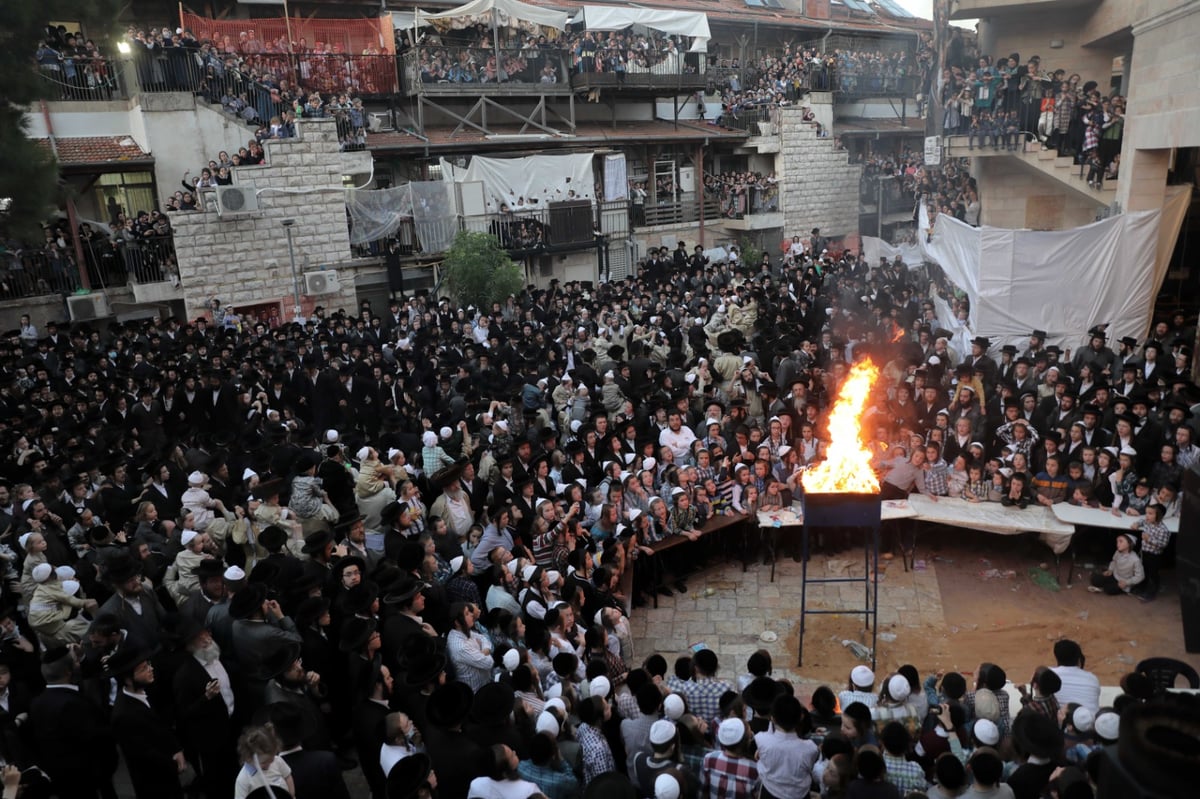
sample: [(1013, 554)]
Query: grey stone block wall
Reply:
[(243, 260), (818, 188)]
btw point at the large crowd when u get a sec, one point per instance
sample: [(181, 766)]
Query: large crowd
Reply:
[(248, 554), (1007, 103)]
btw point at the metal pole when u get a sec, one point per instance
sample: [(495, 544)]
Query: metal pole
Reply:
[(287, 225), (879, 208)]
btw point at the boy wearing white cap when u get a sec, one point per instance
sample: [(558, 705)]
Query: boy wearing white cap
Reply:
[(55, 599), (862, 684), (729, 772)]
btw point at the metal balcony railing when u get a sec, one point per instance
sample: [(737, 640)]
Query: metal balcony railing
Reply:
[(83, 79)]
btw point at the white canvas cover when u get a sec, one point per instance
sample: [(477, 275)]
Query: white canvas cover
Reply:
[(1061, 281), (548, 178), (508, 13), (680, 23)]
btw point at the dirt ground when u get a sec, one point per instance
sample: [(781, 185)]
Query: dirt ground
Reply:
[(1010, 620)]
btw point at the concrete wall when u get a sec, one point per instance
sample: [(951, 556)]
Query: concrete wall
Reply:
[(244, 260), (185, 134), (1012, 196), (819, 188), (1031, 34)]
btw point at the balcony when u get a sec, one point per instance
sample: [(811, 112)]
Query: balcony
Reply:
[(666, 77), (755, 208), (97, 79), (567, 227), (681, 210), (146, 265), (1062, 170), (455, 71)]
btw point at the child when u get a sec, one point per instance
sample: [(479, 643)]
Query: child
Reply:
[(1123, 572), (1012, 130), (1045, 685), (976, 131), (258, 749), (1017, 494), (976, 489), (1155, 537), (1095, 176)]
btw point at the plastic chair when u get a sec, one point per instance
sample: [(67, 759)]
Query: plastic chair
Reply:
[(1163, 672)]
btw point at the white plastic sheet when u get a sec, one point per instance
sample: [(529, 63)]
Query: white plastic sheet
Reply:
[(508, 13), (377, 213), (874, 249), (1063, 281), (616, 178), (679, 23), (546, 178)]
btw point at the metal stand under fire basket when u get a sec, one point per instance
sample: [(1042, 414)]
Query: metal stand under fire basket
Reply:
[(859, 511)]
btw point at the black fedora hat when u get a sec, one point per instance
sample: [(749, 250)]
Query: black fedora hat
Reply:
[(356, 631), (357, 601), (246, 601), (209, 568), (1036, 735), (405, 589), (315, 543), (493, 704), (424, 670), (279, 660), (346, 562), (409, 776), (450, 704), (124, 659), (122, 569)]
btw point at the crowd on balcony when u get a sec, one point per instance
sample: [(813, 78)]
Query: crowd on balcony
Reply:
[(412, 539), (946, 189), (1006, 103), (75, 65), (741, 192), (784, 78)]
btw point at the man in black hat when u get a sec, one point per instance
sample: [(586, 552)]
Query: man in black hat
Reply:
[(1037, 341), (205, 707), (70, 735), (210, 590), (456, 756), (315, 772), (260, 632), (982, 363), (1096, 352), (151, 750), (291, 684), (133, 602)]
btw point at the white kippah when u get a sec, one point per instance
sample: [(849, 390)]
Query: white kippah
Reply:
[(234, 574), (188, 536), (42, 571), (362, 454), (547, 723), (512, 659), (673, 706)]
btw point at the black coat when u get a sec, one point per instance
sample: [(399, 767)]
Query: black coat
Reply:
[(73, 744), (148, 745), (206, 729), (368, 738), (316, 775)]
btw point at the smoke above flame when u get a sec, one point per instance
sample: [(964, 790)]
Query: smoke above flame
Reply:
[(847, 466)]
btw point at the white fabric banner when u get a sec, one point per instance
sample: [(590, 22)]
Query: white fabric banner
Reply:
[(1062, 281), (508, 13), (616, 179), (874, 249), (528, 183), (680, 23)]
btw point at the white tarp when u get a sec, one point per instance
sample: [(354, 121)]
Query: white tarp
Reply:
[(1062, 281), (377, 213), (679, 23), (508, 13), (874, 249), (616, 179), (518, 181)]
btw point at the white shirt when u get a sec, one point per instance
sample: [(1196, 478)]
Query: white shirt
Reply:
[(1079, 686), (488, 788), (679, 442), (216, 670)]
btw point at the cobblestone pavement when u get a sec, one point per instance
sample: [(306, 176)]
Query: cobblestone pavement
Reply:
[(728, 611)]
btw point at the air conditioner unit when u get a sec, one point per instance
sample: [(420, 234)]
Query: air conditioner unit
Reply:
[(378, 122), (323, 282), (235, 200), (85, 307)]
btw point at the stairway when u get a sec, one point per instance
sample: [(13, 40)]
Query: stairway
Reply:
[(1048, 162)]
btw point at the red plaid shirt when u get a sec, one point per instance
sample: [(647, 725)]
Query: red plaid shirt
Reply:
[(726, 777)]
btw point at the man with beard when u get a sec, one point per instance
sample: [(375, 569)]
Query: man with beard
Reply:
[(151, 750), (204, 704), (292, 685), (210, 591)]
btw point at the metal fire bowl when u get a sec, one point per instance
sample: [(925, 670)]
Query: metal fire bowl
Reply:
[(841, 510)]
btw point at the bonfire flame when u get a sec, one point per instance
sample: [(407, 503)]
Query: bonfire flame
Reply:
[(897, 334), (847, 467)]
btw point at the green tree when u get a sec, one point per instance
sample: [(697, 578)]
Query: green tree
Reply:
[(476, 271), (29, 189)]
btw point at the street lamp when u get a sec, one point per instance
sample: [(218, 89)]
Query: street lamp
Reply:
[(287, 225)]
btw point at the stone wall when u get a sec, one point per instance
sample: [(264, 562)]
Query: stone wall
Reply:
[(818, 188), (243, 260)]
